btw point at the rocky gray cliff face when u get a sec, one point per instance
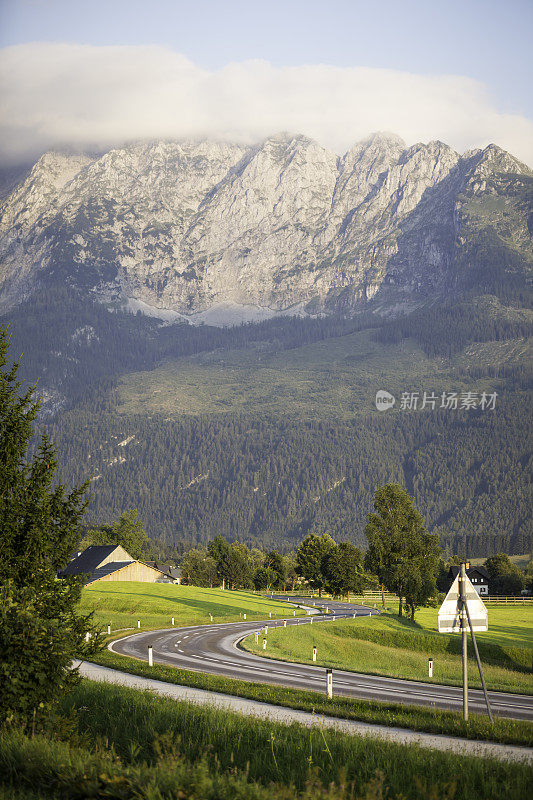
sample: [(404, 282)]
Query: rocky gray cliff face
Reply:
[(286, 224)]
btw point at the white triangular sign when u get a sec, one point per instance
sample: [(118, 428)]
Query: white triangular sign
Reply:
[(450, 610)]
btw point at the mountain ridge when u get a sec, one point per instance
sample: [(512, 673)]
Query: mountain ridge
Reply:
[(284, 224)]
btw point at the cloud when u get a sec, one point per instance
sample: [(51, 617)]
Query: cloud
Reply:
[(55, 95)]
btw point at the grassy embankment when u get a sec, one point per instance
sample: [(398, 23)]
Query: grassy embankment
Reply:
[(154, 604), (127, 744), (386, 645)]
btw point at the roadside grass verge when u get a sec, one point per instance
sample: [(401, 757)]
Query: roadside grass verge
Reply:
[(155, 604), (429, 720), (397, 648), (132, 744)]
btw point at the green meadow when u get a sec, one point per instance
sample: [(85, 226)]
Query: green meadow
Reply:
[(123, 604)]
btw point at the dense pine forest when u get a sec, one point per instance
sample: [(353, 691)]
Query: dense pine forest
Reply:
[(274, 481), (270, 479)]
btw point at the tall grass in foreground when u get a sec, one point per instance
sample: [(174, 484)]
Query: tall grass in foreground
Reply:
[(134, 724)]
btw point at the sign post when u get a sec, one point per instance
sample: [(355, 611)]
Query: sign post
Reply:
[(464, 634), (463, 610)]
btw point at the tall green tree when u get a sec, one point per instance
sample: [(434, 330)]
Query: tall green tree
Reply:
[(505, 578), (128, 532), (199, 568), (401, 552), (275, 563), (343, 570), (310, 556), (41, 631)]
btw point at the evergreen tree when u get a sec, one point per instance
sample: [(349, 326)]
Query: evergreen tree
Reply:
[(40, 630)]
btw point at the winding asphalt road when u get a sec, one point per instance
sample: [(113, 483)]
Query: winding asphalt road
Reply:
[(214, 649)]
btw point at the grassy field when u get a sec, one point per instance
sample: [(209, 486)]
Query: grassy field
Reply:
[(389, 646), (154, 604), (128, 744), (337, 377), (508, 624)]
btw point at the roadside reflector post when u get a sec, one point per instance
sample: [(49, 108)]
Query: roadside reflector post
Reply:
[(329, 683), (464, 634), (211, 617), (430, 667), (109, 629), (138, 623), (314, 652), (150, 656), (284, 623), (244, 616), (311, 620), (294, 613), (173, 620), (264, 644), (270, 614), (257, 637), (354, 616)]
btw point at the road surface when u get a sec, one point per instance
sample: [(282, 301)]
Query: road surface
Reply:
[(214, 649)]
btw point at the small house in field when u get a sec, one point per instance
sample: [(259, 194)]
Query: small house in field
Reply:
[(479, 578), (112, 563), (172, 573)]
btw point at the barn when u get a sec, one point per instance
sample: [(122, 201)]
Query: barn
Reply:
[(112, 563)]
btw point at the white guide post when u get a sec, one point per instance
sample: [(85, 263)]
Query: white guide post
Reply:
[(150, 656), (329, 683), (314, 652)]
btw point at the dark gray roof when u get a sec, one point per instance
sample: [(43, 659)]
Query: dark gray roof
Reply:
[(89, 559), (454, 570), (172, 572), (107, 569)]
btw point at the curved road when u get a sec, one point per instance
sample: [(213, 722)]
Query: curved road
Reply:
[(214, 649)]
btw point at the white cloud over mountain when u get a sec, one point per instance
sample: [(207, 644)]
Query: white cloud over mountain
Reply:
[(54, 95)]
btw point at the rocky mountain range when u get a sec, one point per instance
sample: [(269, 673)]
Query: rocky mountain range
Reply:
[(184, 228)]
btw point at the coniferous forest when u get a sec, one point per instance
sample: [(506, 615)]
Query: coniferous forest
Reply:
[(268, 478)]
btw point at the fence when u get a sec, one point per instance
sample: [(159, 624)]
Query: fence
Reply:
[(513, 600)]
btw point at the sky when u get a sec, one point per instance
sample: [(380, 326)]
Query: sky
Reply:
[(100, 73)]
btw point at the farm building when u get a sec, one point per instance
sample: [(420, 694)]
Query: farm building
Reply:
[(112, 563), (478, 576)]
